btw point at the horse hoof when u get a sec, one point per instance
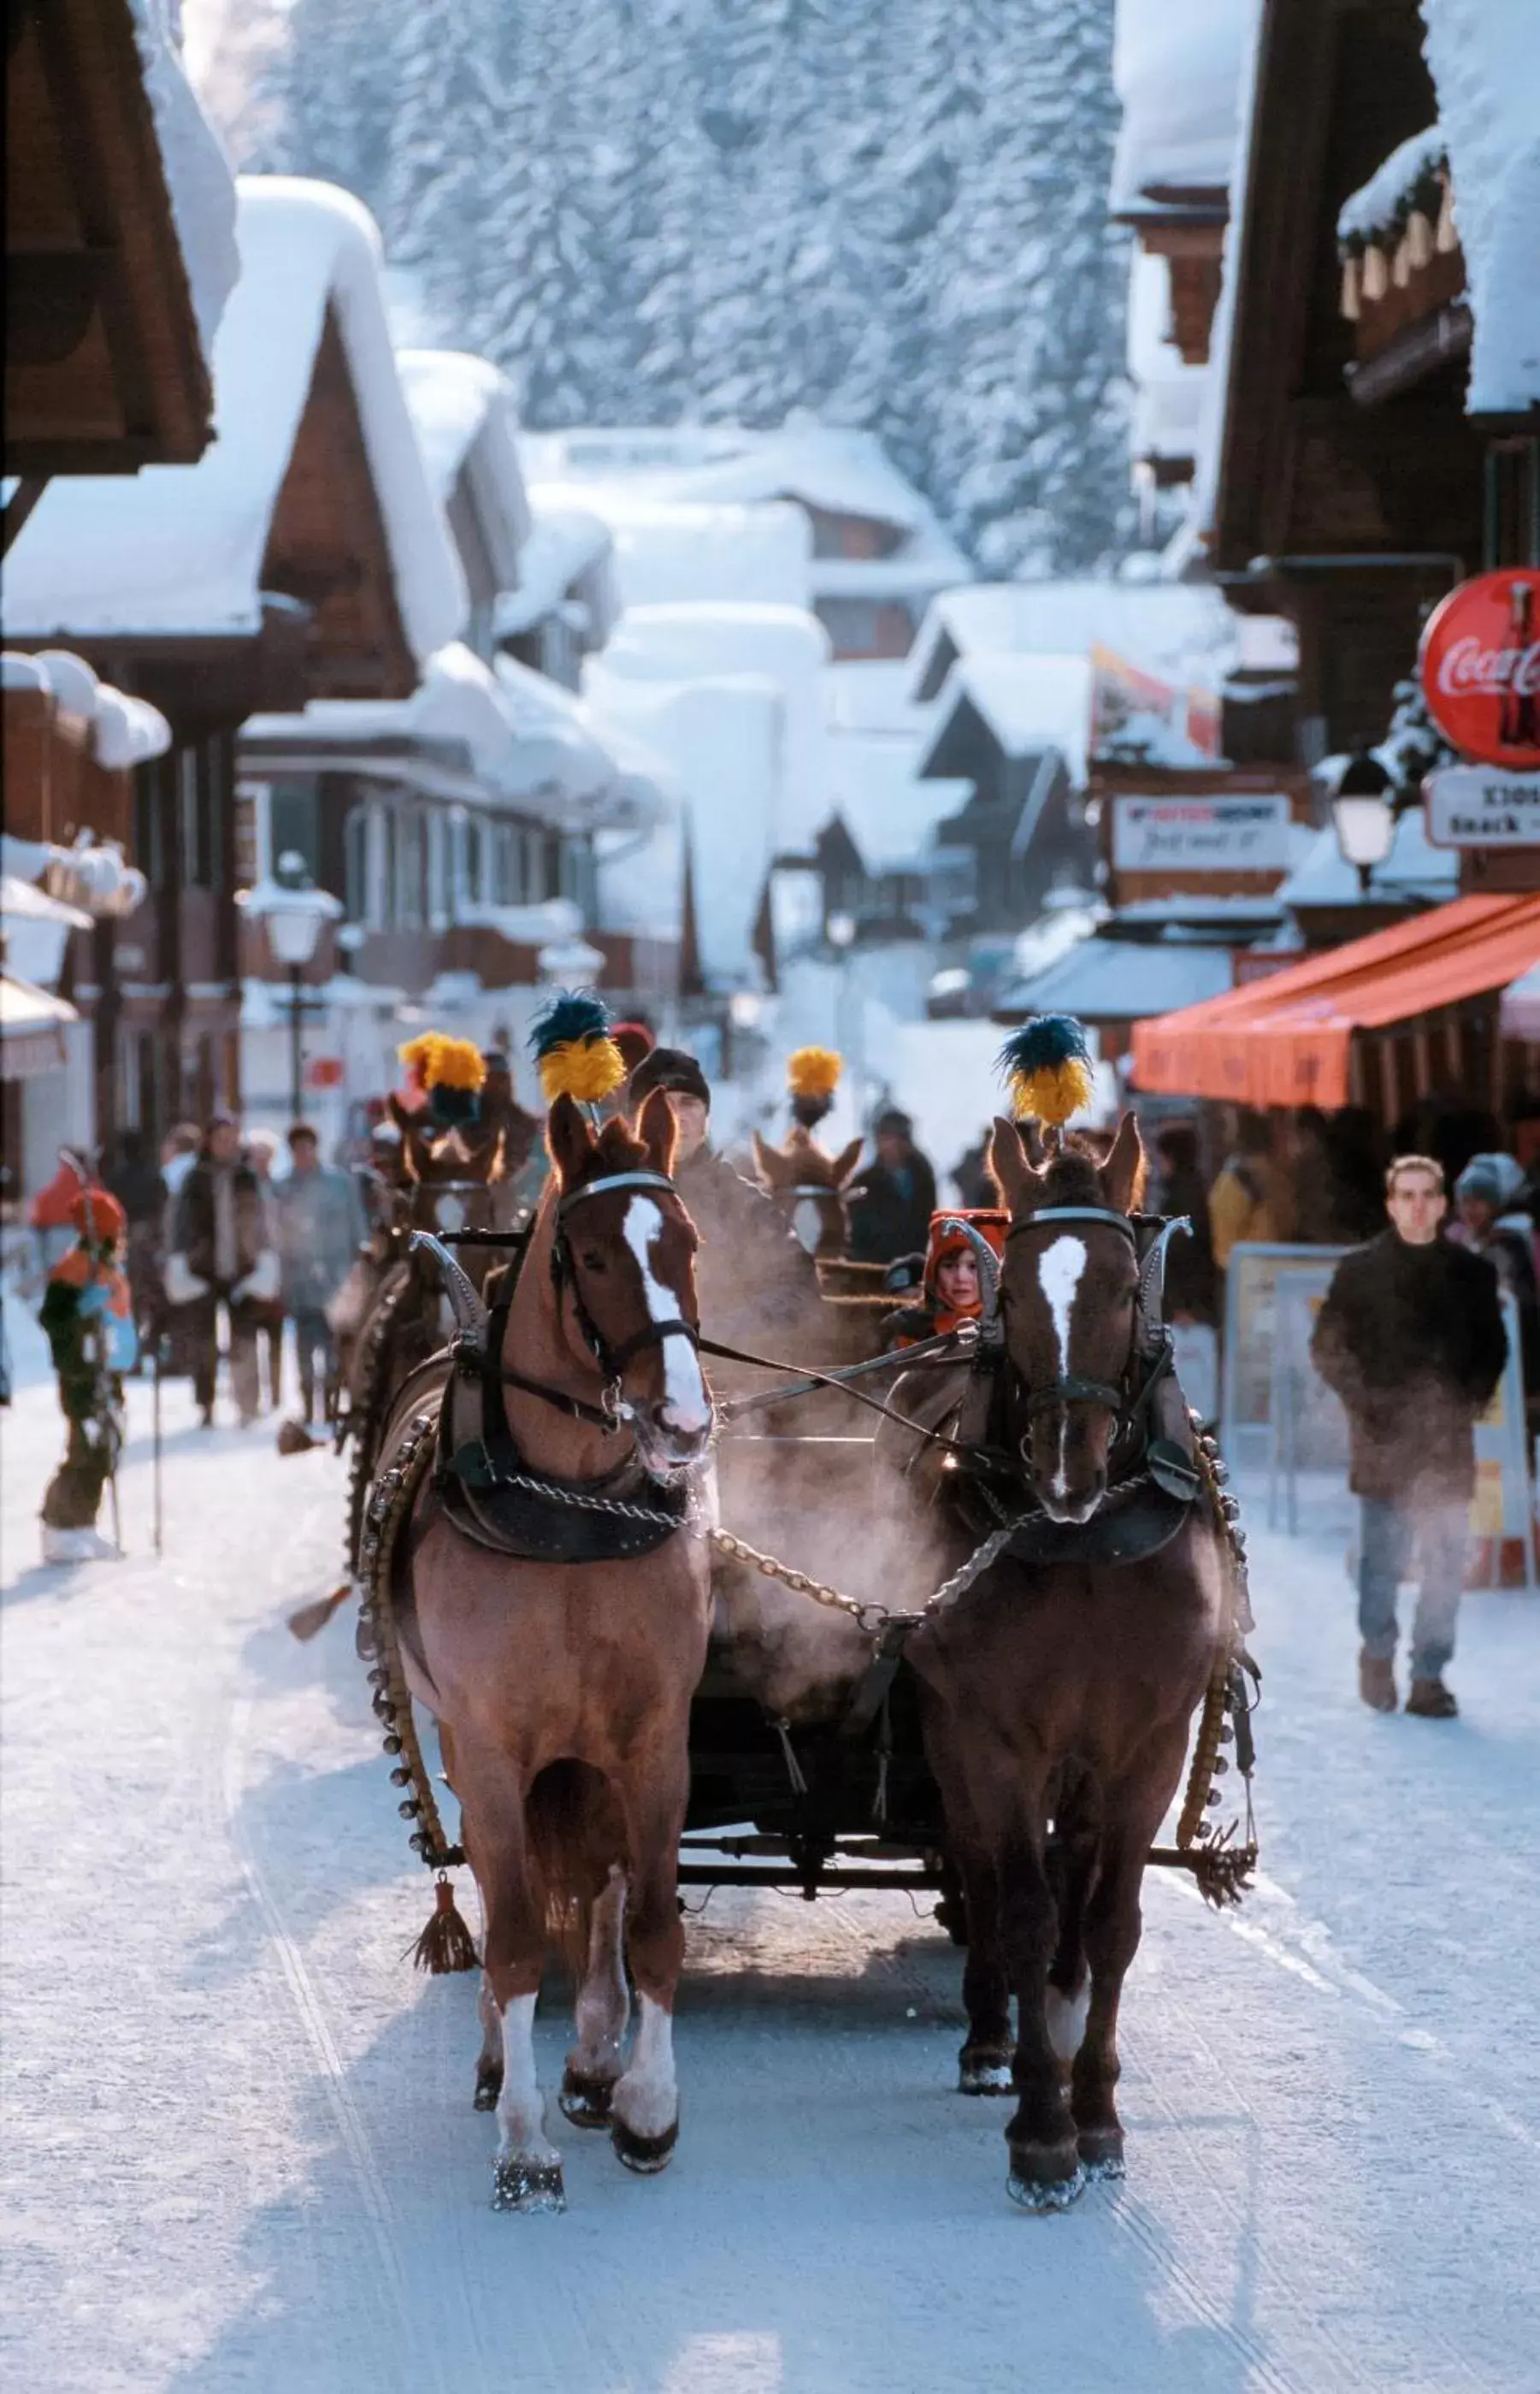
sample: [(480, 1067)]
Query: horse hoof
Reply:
[(646, 2155), (1102, 2153), (521, 2184), (1046, 2194), (1045, 2177), (585, 2101), (489, 2086), (978, 2076)]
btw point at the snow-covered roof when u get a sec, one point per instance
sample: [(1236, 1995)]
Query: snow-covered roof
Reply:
[(179, 549), (197, 177), (1379, 203), (888, 814), (1485, 63), (1180, 631), (1414, 869), (1221, 330), (668, 551), (782, 647), (463, 411), (566, 545), (1124, 980), (832, 468), (1178, 66), (1031, 704), (123, 730), (526, 740), (872, 694)]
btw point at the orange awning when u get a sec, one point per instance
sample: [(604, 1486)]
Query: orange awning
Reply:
[(1285, 1041)]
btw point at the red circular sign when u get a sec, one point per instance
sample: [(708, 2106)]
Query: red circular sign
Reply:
[(1479, 662)]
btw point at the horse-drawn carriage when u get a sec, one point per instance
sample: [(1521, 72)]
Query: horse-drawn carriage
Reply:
[(978, 1677)]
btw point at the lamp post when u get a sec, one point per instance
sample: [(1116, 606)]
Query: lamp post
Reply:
[(294, 910), (1363, 815)]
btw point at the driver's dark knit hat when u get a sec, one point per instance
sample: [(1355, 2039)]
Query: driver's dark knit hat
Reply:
[(669, 1068)]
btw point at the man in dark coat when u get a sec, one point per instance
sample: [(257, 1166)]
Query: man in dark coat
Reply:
[(753, 1278), (1411, 1339), (223, 1250), (890, 1213)]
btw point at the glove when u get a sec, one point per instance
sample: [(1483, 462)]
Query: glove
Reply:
[(263, 1281), (182, 1285)]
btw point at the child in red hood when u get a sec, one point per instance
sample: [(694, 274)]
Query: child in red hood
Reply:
[(951, 1291)]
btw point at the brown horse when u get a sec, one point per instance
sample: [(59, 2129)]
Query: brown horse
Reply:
[(1057, 1694), (809, 1188), (563, 1688)]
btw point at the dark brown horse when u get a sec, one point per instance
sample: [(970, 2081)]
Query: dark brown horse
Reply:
[(1058, 1695), (563, 1688)]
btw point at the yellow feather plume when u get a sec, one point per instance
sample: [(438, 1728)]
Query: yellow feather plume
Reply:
[(1054, 1092), (454, 1064), (585, 1069), (814, 1072), (415, 1053)]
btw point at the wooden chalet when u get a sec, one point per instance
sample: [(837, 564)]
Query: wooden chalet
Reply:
[(303, 555), (1353, 490), (1014, 728), (118, 249)]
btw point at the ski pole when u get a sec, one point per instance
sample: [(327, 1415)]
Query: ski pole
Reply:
[(155, 1439)]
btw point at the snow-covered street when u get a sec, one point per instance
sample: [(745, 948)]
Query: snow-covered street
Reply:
[(239, 2149)]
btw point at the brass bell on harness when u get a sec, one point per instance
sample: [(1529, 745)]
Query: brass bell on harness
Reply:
[(392, 1744)]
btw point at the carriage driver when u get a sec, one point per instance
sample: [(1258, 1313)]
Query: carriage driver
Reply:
[(750, 1265)]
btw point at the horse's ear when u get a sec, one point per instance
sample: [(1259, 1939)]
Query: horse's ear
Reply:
[(568, 1137), (658, 1133), (770, 1164), (847, 1159), (1123, 1173), (1020, 1185)]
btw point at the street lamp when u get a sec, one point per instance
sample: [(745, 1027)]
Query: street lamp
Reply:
[(294, 910), (1363, 816)]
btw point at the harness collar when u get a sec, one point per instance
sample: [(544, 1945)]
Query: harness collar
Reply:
[(1102, 1214)]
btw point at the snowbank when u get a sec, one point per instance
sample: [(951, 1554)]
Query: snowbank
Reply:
[(1485, 63), (1031, 704), (179, 549), (669, 551)]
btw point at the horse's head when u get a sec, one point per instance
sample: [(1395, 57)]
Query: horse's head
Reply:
[(1069, 1291), (807, 1187), (448, 1172), (626, 1262)]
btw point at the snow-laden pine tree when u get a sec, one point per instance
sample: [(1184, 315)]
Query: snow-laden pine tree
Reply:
[(892, 212)]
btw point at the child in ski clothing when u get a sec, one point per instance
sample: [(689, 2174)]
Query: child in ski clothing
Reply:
[(950, 1292), (89, 1315)]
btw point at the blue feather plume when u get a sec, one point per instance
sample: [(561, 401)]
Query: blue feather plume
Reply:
[(1042, 1045), (571, 1019)]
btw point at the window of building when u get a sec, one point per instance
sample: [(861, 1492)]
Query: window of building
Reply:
[(354, 866), (252, 848), (475, 860), (295, 819)]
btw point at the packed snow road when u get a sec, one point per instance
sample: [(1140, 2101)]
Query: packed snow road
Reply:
[(240, 2150)]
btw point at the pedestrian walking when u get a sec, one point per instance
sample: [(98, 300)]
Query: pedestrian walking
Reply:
[(88, 1316), (1248, 1202), (222, 1254), (1492, 1221), (890, 1213), (321, 1228), (259, 1150), (1411, 1339)]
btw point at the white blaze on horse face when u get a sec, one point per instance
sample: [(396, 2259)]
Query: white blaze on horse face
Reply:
[(1059, 1277), (685, 1397), (807, 1224)]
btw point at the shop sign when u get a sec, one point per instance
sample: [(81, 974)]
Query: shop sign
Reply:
[(1479, 665), (323, 1073), (1467, 807), (1190, 834)]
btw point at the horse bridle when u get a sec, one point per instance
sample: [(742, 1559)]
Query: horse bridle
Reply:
[(1071, 1388), (612, 1360)]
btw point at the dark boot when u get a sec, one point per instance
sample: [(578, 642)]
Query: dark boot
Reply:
[(1376, 1681), (1430, 1700)]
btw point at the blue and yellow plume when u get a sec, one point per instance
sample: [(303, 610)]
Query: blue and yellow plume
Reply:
[(574, 1053), (1047, 1067), (451, 1070)]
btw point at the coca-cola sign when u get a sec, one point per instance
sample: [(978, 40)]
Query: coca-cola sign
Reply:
[(1479, 663)]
